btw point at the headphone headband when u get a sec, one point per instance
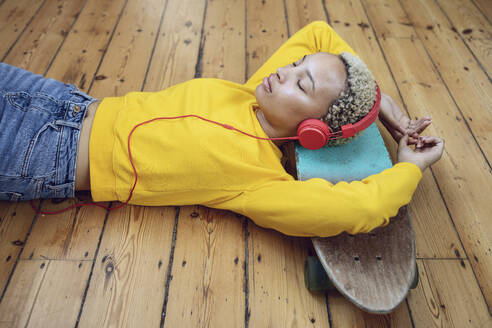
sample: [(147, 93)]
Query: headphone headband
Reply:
[(314, 134), (349, 130)]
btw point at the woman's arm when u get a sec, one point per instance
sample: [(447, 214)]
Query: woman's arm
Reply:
[(398, 123), (314, 37), (318, 208)]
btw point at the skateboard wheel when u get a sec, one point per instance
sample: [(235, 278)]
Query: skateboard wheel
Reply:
[(415, 281), (315, 275)]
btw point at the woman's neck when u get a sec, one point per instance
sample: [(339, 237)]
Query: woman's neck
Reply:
[(269, 129)]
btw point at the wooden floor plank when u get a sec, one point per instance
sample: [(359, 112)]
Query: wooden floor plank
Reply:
[(447, 296), (208, 286), (128, 280), (60, 294), (38, 45), (40, 294), (466, 81), (303, 12), (79, 57), (351, 22), (15, 222), (278, 295), (15, 15), (18, 302), (208, 271), (265, 34), (126, 60), (224, 41), (176, 52), (462, 173), (485, 7), (72, 235), (473, 27)]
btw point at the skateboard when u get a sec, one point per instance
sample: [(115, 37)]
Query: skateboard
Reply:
[(376, 270)]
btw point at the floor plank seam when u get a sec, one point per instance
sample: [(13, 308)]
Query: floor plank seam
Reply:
[(44, 258), (286, 16), (327, 301), (68, 240), (169, 276), (23, 30), (199, 64), (247, 312), (385, 59), (20, 253), (63, 41), (480, 10), (37, 294), (328, 310), (153, 47), (89, 279), (326, 12), (410, 314), (443, 258), (447, 88), (246, 41), (466, 44), (107, 45)]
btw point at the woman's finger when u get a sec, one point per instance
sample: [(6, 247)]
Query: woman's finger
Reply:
[(431, 140), (412, 140), (422, 125)]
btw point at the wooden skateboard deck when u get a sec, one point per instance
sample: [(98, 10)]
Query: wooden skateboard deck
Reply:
[(374, 271)]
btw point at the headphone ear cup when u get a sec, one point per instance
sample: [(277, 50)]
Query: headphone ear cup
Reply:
[(313, 134)]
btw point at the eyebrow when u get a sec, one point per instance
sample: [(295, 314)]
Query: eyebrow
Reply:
[(309, 74)]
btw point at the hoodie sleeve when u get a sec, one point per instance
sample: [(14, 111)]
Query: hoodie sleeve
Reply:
[(316, 207), (315, 37)]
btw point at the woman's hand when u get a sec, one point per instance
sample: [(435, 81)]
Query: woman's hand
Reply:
[(398, 124), (427, 151)]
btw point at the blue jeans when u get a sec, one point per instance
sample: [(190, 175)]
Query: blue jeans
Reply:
[(40, 122)]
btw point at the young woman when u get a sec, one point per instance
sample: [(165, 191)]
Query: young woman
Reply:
[(55, 140)]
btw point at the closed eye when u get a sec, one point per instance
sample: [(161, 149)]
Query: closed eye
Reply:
[(295, 64), (300, 87)]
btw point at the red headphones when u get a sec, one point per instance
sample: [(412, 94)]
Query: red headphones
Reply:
[(314, 134)]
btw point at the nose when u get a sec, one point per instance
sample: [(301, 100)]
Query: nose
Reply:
[(282, 74)]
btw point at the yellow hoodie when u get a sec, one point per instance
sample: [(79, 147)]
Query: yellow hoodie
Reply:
[(188, 161)]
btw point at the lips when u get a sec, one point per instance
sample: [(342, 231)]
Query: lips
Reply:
[(267, 85)]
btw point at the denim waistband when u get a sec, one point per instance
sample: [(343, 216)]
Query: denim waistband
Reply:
[(40, 122)]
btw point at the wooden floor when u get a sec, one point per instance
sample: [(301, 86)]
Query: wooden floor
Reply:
[(193, 266)]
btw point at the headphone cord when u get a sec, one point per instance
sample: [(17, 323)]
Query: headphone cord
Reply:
[(226, 126)]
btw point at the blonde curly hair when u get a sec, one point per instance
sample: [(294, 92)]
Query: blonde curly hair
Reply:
[(355, 100)]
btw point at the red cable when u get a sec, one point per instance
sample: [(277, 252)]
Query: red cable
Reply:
[(227, 126)]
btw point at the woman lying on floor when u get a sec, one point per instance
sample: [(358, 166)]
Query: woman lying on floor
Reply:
[(55, 139)]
